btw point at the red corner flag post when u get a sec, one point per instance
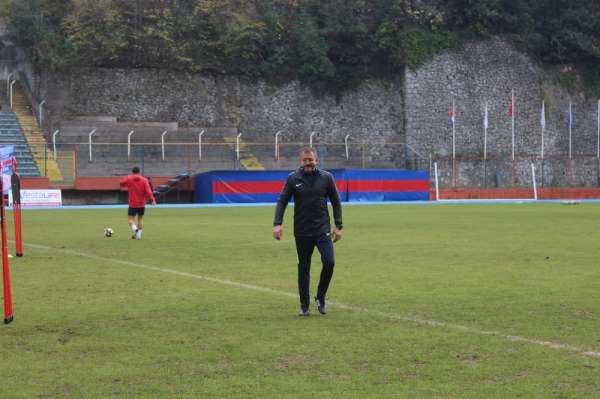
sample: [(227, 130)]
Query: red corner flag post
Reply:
[(8, 311)]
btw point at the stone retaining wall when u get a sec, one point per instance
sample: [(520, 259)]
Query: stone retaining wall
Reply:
[(412, 109)]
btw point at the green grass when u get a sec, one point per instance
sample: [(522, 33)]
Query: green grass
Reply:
[(100, 326)]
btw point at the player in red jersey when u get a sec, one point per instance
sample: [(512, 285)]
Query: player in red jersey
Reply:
[(138, 192)]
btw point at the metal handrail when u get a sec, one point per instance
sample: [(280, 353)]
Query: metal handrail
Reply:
[(54, 142), (40, 107), (11, 93)]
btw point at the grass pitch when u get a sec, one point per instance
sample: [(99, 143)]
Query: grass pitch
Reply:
[(453, 301)]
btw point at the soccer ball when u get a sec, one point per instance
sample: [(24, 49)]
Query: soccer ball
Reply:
[(108, 232)]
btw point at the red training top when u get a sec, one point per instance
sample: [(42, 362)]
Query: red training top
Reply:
[(139, 190)]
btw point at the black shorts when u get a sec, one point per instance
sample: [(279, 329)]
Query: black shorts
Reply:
[(136, 211)]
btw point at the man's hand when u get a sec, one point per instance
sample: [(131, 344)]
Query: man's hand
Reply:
[(277, 232), (153, 202), (337, 234)]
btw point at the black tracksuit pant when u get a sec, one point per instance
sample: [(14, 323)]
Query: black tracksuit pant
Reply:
[(305, 247)]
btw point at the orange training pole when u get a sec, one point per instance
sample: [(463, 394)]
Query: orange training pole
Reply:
[(8, 311), (15, 182)]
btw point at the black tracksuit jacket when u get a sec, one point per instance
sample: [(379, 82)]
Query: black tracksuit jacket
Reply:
[(310, 192)]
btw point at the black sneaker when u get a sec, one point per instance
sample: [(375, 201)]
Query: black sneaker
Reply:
[(304, 311), (321, 305)]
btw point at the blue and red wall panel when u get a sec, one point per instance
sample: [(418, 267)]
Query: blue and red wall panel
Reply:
[(353, 185), (387, 185)]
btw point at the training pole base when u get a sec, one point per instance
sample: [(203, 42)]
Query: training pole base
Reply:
[(8, 319), (19, 255)]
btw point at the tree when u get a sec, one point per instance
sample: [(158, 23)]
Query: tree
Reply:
[(333, 44), (309, 50), (35, 24), (410, 37), (347, 29)]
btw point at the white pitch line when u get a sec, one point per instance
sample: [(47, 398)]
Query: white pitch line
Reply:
[(391, 316)]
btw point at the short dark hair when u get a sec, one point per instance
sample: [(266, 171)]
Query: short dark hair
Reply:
[(305, 150), (135, 170)]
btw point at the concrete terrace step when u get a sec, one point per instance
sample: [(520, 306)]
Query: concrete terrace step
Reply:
[(247, 159), (27, 164)]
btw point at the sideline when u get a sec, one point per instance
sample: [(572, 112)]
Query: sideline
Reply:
[(366, 203), (391, 316)]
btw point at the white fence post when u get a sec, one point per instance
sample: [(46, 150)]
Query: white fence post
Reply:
[(277, 144), (310, 139), (129, 144), (54, 142), (200, 145), (237, 146), (162, 143), (90, 142), (346, 144)]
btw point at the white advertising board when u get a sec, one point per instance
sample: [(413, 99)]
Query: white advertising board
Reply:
[(38, 198)]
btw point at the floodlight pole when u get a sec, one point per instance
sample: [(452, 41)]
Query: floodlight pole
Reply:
[(277, 144), (162, 143), (54, 142), (129, 144), (346, 145), (90, 142), (200, 145)]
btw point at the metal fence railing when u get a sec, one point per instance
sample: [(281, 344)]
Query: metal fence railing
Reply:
[(165, 158), (496, 172), (170, 158)]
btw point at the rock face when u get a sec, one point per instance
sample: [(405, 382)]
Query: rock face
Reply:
[(487, 72), (372, 114), (379, 116)]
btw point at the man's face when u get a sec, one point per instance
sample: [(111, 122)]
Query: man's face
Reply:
[(308, 161)]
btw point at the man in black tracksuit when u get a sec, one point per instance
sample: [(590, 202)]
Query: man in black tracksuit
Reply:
[(310, 188)]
